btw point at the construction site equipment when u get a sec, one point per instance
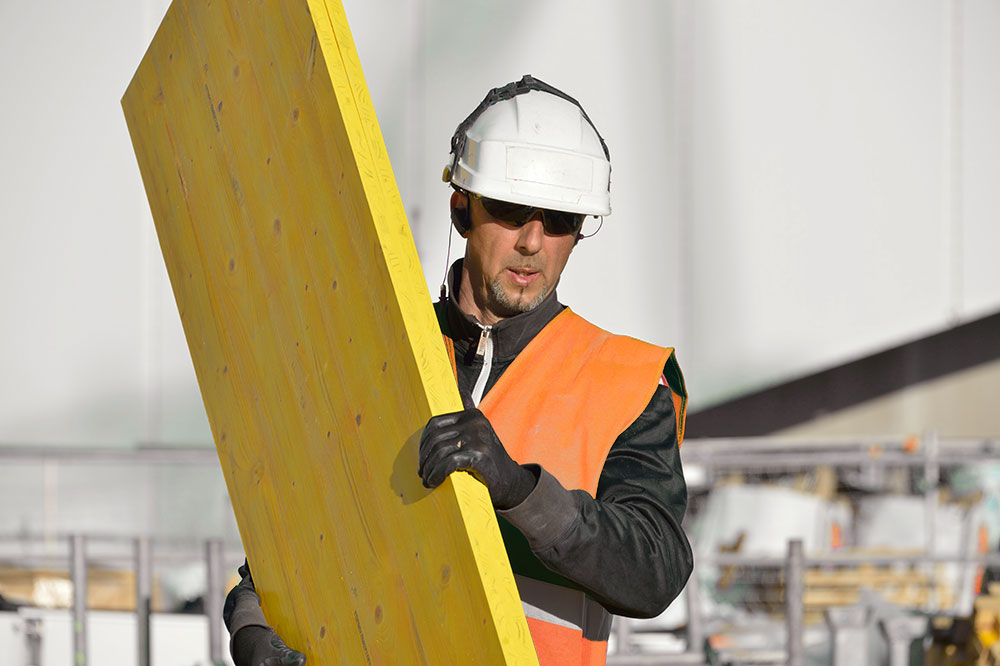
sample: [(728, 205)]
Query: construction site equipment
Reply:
[(847, 629), (312, 335), (901, 632)]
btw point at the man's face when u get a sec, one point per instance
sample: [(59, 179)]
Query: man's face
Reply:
[(508, 269)]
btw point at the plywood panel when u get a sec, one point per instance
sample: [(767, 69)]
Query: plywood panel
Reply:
[(312, 335)]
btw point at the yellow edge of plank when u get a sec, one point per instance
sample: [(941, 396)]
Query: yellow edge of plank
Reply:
[(397, 245), (387, 208)]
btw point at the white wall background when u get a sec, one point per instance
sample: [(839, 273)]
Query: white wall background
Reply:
[(795, 184), (843, 181)]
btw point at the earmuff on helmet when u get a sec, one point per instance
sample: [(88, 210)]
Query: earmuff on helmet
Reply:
[(460, 219)]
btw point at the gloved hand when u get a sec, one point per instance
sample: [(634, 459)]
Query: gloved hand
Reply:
[(260, 646), (466, 441)]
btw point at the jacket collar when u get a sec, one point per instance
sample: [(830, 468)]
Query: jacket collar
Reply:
[(510, 335)]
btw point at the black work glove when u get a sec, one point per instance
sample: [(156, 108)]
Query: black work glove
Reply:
[(260, 646), (466, 441)]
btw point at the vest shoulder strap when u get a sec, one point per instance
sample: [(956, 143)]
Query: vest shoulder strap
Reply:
[(570, 393)]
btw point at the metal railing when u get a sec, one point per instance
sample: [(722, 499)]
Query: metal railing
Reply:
[(714, 457), (846, 624), (143, 559)]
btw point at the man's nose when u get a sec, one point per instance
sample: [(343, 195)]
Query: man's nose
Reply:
[(529, 240)]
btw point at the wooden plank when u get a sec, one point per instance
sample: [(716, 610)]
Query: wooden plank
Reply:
[(315, 346)]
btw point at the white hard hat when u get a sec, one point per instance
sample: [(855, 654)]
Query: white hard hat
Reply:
[(532, 144)]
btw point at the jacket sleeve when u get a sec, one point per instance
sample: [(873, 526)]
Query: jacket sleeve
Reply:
[(242, 607), (625, 547)]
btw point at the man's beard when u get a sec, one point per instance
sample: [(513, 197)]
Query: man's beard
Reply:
[(511, 307)]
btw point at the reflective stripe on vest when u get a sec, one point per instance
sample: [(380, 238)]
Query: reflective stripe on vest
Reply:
[(564, 607), (566, 627)]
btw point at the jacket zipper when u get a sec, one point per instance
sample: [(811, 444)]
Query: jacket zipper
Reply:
[(485, 350)]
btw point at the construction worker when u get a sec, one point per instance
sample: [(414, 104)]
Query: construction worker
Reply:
[(575, 432)]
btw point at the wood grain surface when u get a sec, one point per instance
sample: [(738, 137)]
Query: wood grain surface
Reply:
[(313, 338)]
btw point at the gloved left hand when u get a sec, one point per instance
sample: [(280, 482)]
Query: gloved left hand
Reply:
[(260, 646), (466, 441)]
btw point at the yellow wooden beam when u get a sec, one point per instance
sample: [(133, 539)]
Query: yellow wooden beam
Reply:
[(313, 338)]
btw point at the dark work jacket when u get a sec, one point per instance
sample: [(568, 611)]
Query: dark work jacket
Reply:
[(625, 547)]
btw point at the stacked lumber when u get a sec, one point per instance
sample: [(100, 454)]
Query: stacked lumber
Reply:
[(46, 588), (908, 586)]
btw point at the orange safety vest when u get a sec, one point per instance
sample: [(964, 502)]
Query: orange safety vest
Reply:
[(562, 403)]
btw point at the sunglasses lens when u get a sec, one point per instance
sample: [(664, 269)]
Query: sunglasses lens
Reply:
[(555, 222), (560, 222), (512, 213)]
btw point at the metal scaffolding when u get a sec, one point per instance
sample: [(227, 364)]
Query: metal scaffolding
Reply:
[(927, 458)]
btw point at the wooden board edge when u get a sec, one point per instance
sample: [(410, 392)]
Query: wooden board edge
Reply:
[(473, 499)]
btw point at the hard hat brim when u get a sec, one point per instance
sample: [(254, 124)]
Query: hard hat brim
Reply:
[(536, 176)]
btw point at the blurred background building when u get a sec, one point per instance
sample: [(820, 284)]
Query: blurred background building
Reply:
[(806, 204)]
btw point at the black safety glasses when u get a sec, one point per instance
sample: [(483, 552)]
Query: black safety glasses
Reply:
[(555, 222)]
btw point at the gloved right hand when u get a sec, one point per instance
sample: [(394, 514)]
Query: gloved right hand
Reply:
[(466, 441), (260, 646)]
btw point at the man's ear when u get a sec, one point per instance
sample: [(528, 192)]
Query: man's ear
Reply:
[(460, 216)]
